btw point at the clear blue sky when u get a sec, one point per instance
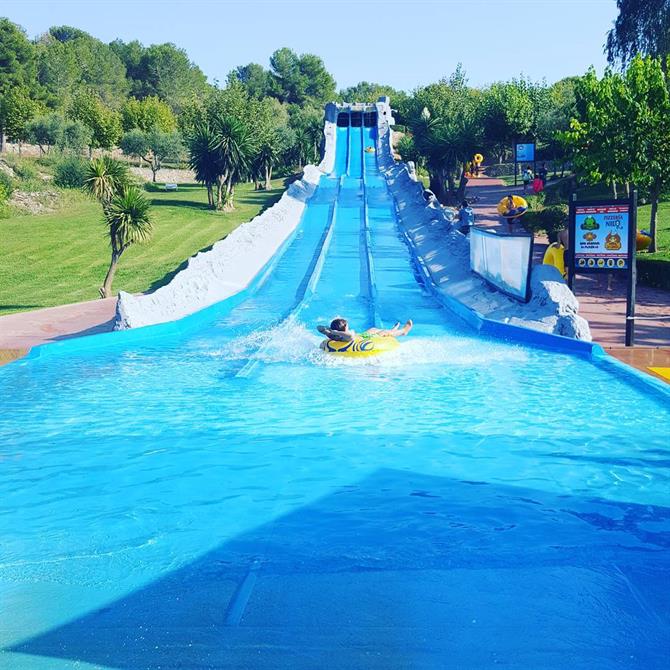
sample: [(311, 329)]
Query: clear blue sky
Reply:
[(404, 44)]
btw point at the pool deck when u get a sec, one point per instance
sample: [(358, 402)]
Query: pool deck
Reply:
[(21, 331), (602, 305)]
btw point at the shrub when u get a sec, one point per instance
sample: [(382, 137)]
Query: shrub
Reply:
[(550, 219), (6, 184), (70, 172), (653, 272), (25, 170)]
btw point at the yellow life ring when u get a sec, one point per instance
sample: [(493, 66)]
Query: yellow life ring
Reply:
[(360, 347), (520, 207), (555, 255), (478, 158)]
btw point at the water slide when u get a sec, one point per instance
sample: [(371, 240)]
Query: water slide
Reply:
[(230, 496)]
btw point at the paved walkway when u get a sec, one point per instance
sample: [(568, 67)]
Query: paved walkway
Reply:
[(27, 329)]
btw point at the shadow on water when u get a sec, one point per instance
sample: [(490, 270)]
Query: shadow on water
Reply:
[(404, 570)]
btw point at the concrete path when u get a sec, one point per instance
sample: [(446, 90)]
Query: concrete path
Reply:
[(27, 329)]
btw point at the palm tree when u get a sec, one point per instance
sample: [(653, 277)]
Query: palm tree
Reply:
[(265, 160), (105, 177), (236, 144), (204, 158), (128, 219)]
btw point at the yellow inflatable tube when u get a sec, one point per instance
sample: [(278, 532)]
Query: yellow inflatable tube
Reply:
[(555, 255), (519, 207), (361, 347)]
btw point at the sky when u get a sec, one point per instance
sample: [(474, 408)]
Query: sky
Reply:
[(404, 44)]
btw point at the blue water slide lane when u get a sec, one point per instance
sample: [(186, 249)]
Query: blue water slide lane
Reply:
[(353, 169), (307, 286)]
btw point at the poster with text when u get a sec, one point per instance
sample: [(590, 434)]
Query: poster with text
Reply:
[(601, 237), (525, 153)]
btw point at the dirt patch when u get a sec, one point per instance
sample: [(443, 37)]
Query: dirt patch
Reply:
[(35, 202), (165, 176)]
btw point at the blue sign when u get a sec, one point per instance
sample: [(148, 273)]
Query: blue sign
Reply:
[(525, 153)]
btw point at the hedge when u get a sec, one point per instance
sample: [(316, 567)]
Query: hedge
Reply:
[(653, 272)]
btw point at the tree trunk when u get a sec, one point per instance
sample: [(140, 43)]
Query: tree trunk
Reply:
[(268, 178), (229, 205), (106, 290), (153, 173), (654, 196), (437, 186), (210, 195), (460, 194), (614, 191), (3, 140)]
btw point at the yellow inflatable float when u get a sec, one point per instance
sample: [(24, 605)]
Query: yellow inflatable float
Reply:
[(478, 159), (361, 347), (519, 206), (642, 241), (555, 255)]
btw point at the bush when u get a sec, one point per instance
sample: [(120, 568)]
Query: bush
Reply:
[(70, 172), (653, 272), (25, 170), (550, 219), (6, 185)]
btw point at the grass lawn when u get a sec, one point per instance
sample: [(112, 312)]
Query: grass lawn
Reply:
[(60, 258), (662, 230)]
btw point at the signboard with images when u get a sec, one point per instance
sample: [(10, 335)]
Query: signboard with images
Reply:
[(525, 152), (601, 237)]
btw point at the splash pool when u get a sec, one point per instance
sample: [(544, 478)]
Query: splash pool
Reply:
[(234, 498)]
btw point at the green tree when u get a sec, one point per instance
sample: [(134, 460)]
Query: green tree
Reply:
[(254, 77), (103, 122), (18, 68), (446, 125), (507, 115), (300, 79), (147, 114), (131, 55), (70, 60), (17, 110), (46, 131), (165, 71), (622, 130), (307, 125), (105, 178), (204, 156), (153, 147), (554, 119), (126, 210), (408, 150), (269, 116), (129, 221), (642, 27), (236, 145), (75, 138), (368, 92)]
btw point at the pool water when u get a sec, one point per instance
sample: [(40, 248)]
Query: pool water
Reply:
[(235, 498)]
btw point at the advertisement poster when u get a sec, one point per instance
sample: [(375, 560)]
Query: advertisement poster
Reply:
[(525, 153), (601, 237)]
